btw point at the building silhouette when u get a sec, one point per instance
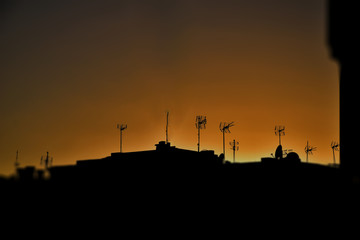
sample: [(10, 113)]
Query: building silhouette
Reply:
[(164, 160), (171, 167), (343, 40)]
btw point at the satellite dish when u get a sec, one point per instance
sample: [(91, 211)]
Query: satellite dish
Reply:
[(279, 152)]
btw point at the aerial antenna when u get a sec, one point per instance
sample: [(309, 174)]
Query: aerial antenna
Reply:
[(121, 127), (335, 147), (309, 149), (167, 127), (235, 147), (17, 160), (224, 128), (46, 161), (279, 131), (200, 123)]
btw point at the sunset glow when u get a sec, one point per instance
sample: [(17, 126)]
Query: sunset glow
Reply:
[(72, 70)]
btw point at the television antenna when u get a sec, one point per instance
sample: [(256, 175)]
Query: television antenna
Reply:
[(235, 147), (46, 161), (121, 128), (17, 160), (309, 150), (280, 131), (335, 147), (225, 128), (167, 127), (200, 123)]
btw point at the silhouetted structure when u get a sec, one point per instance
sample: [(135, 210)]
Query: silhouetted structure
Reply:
[(17, 164), (200, 123), (167, 127), (280, 131), (309, 150), (235, 147), (225, 128), (334, 147), (343, 38), (165, 160), (46, 161), (168, 168), (121, 128)]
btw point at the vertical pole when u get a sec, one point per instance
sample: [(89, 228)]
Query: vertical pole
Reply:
[(334, 156), (307, 150), (120, 140), (167, 125), (17, 159), (47, 160), (279, 138), (224, 143), (234, 150), (198, 138)]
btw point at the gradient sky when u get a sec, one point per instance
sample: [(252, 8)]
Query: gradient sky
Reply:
[(71, 70)]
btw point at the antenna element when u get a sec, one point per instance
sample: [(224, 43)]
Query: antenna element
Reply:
[(309, 149), (200, 123), (335, 147), (121, 128), (46, 161), (235, 147), (224, 128), (279, 131), (167, 127)]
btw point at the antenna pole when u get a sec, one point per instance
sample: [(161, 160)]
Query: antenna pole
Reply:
[(234, 147), (47, 160), (279, 138), (198, 139), (120, 140), (307, 152), (224, 127), (121, 128), (200, 123), (167, 126), (224, 144), (17, 159)]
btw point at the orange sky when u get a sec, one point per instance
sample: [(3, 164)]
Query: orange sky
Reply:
[(71, 71)]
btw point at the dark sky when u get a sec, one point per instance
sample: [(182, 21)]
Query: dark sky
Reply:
[(71, 70)]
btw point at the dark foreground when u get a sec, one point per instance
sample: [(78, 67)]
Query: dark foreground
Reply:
[(273, 198)]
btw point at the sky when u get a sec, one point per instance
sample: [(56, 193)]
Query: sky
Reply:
[(71, 70)]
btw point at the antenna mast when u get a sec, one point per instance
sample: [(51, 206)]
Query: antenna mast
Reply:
[(200, 123), (121, 127), (46, 161), (279, 131), (17, 160), (167, 127), (235, 147), (335, 147), (224, 128), (309, 149)]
